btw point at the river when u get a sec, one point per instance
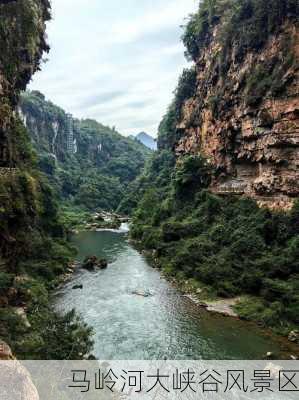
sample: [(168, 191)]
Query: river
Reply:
[(165, 325)]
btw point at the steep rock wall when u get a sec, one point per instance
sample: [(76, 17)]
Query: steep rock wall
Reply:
[(246, 121), (22, 42), (48, 126)]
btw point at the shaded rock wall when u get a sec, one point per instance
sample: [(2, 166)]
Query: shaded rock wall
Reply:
[(22, 42)]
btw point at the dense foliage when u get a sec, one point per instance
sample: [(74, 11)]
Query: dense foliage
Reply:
[(157, 174), (29, 224), (97, 175), (228, 245), (33, 252), (26, 37), (246, 24), (225, 246)]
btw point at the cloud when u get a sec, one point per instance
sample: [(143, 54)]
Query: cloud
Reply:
[(100, 99), (153, 22), (116, 64)]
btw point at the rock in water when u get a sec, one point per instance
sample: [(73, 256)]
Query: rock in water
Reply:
[(103, 264), (91, 263), (143, 293), (77, 287)]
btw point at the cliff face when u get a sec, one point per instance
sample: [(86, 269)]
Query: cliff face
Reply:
[(245, 120), (22, 42), (22, 193), (53, 131), (47, 124)]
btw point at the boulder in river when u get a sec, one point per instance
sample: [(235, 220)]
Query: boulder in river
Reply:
[(143, 293), (99, 217), (78, 286), (90, 263), (103, 263), (93, 262), (270, 356)]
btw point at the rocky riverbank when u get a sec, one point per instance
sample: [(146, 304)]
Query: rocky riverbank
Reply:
[(101, 220)]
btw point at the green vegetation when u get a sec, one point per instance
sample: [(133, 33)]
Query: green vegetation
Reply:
[(270, 78), (246, 24), (227, 244), (26, 39), (34, 254), (198, 29), (29, 224), (157, 174), (97, 175)]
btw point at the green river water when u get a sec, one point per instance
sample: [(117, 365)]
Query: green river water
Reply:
[(165, 325)]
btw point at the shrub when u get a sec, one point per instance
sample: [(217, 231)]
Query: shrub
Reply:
[(5, 281), (198, 29), (191, 174)]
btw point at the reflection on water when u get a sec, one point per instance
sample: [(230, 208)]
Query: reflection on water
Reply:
[(165, 325)]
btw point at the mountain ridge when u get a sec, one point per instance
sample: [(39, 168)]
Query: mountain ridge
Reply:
[(73, 152), (147, 140)]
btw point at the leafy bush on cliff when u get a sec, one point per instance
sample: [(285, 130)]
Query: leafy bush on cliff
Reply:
[(197, 31), (246, 24), (22, 40), (250, 22), (191, 174), (168, 134), (186, 88)]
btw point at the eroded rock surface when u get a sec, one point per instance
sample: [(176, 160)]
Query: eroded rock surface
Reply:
[(251, 138)]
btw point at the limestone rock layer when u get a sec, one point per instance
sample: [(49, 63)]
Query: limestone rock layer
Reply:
[(246, 121)]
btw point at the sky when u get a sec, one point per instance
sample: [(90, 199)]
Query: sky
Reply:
[(116, 61)]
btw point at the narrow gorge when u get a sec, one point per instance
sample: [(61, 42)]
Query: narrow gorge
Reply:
[(212, 214)]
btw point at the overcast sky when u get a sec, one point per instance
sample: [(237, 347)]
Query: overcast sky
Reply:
[(116, 61)]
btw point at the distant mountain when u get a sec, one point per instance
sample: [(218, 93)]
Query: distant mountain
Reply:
[(147, 140)]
